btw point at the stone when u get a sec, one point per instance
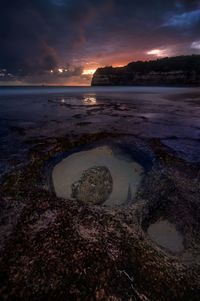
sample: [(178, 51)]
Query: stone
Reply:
[(126, 175), (94, 186)]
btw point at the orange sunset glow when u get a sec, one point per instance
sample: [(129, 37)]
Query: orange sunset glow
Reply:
[(88, 71)]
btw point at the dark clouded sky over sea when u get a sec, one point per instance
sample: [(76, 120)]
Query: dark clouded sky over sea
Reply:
[(64, 41)]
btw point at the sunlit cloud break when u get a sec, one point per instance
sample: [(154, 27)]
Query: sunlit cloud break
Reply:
[(196, 45), (88, 71), (63, 42), (158, 52)]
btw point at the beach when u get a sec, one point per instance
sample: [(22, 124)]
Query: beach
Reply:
[(66, 247)]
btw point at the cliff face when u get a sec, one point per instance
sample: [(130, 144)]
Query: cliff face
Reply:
[(182, 70)]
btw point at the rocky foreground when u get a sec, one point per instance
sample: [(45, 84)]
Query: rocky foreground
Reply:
[(57, 249), (182, 70)]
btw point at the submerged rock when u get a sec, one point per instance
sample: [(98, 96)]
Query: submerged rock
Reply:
[(82, 176), (94, 186)]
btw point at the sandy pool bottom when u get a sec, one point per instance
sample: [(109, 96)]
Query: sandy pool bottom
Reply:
[(126, 173), (165, 235)]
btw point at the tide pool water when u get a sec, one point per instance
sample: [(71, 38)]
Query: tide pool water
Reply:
[(126, 174)]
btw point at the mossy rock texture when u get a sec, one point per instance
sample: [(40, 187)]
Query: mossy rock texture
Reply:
[(94, 186)]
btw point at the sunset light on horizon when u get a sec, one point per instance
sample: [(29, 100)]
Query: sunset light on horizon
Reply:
[(90, 35), (88, 71)]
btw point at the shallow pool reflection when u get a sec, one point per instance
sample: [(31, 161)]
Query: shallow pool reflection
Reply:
[(90, 99)]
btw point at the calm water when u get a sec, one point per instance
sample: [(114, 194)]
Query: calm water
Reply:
[(169, 114)]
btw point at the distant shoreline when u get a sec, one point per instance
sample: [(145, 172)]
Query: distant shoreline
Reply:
[(173, 71), (105, 86)]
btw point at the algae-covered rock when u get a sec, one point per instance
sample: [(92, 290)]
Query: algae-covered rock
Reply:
[(94, 186)]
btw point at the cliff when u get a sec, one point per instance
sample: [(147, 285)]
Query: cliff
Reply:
[(180, 70)]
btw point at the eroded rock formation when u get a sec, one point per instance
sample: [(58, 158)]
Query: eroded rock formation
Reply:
[(181, 70)]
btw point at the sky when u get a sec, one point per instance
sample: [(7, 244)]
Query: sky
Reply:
[(62, 42)]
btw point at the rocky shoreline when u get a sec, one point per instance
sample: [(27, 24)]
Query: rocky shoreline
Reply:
[(57, 249), (177, 71)]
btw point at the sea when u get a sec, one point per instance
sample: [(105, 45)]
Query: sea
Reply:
[(169, 114)]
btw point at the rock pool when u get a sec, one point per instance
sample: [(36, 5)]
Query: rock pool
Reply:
[(125, 172), (166, 235)]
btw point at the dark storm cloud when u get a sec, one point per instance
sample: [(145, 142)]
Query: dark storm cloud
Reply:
[(42, 35), (188, 4), (186, 19)]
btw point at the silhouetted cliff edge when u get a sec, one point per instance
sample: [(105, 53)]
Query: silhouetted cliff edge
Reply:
[(180, 70)]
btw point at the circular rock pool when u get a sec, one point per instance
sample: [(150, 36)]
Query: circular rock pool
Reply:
[(98, 176), (165, 234)]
